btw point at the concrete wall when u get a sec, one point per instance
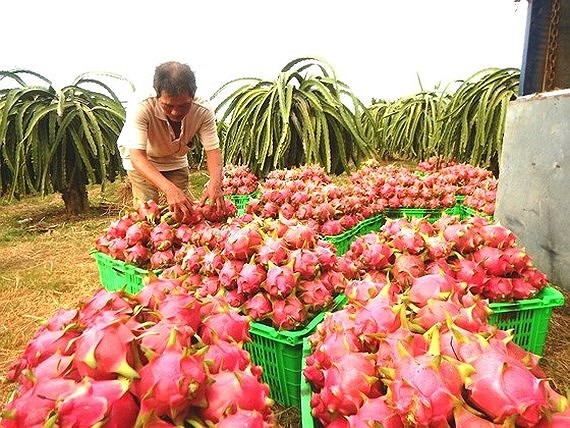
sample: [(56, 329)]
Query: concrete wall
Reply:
[(533, 198)]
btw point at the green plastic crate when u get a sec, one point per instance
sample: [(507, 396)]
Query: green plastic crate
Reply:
[(467, 212), (343, 240), (371, 224), (240, 201), (529, 319), (116, 275), (432, 214), (279, 353), (307, 420)]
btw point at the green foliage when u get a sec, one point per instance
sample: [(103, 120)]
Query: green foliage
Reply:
[(299, 118), (465, 124), (474, 120), (58, 140)]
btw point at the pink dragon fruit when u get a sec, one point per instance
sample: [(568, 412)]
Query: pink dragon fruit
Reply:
[(162, 236), (229, 273), (118, 228), (432, 286), (104, 350), (300, 236), (280, 280), (258, 306), (426, 388), (170, 384), (138, 233), (162, 259), (288, 313), (250, 278), (406, 267), (409, 240), (212, 262), (242, 243), (36, 406), (99, 401), (226, 356), (138, 255), (375, 411), (149, 211), (183, 309), (347, 383), (229, 391), (227, 325), (244, 418), (314, 295), (504, 389), (53, 367), (156, 338), (305, 262), (272, 250)]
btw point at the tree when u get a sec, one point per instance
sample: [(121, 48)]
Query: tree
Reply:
[(299, 118), (59, 140)]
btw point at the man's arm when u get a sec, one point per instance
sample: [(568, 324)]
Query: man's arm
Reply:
[(178, 202), (214, 189)]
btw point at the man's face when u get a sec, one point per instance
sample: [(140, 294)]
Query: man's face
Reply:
[(175, 107)]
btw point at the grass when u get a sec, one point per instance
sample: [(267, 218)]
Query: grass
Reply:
[(45, 265)]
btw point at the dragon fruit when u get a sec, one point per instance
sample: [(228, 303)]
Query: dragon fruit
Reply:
[(170, 384), (36, 406), (244, 418), (288, 313), (505, 389), (229, 391), (258, 306), (314, 294), (426, 388), (224, 325), (99, 401), (162, 236), (104, 350), (280, 280), (347, 382), (138, 233), (250, 278)]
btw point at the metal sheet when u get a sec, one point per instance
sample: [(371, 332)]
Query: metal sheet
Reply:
[(533, 198)]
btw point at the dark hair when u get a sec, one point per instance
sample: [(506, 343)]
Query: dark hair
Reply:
[(175, 79)]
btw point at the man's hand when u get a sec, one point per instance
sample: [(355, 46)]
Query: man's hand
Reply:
[(178, 203), (214, 193)]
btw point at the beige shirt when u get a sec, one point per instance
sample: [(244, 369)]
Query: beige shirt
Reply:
[(147, 128)]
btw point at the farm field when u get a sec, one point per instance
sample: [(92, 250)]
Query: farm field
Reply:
[(45, 265)]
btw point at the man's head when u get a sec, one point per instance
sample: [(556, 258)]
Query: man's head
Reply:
[(175, 86), (174, 78)]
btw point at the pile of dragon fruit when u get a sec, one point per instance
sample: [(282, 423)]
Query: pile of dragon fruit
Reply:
[(308, 194), (150, 237), (413, 346), (276, 271), (162, 358), (238, 180), (424, 357), (483, 254)]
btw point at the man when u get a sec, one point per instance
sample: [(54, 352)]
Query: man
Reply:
[(157, 135)]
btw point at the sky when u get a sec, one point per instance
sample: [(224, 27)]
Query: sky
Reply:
[(377, 47)]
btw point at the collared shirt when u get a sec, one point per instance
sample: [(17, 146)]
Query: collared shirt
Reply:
[(147, 128)]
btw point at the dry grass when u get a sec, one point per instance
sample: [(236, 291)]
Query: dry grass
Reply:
[(45, 265)]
